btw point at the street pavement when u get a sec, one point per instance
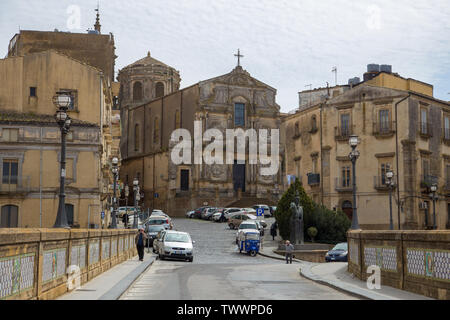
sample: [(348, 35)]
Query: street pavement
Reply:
[(219, 271)]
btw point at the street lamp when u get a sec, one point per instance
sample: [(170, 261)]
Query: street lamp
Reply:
[(136, 200), (354, 154), (433, 189), (390, 183), (115, 170), (62, 101), (127, 193)]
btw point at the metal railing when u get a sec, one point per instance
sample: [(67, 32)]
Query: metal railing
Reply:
[(383, 128), (427, 180), (343, 133), (313, 178), (13, 184), (343, 184), (380, 182)]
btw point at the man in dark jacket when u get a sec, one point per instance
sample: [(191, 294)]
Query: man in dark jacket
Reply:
[(273, 230), (140, 240)]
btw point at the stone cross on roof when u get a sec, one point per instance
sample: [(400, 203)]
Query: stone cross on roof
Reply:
[(239, 55)]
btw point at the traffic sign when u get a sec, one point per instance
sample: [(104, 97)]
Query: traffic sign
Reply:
[(259, 212), (156, 195), (103, 214)]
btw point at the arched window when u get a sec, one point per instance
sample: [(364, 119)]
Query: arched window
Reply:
[(159, 89), (137, 91), (156, 131), (10, 216), (177, 119), (313, 123), (136, 137), (296, 130)]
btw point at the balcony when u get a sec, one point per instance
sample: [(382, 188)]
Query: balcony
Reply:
[(380, 183), (425, 129), (342, 133), (427, 180), (343, 184), (14, 184), (313, 179), (383, 129)]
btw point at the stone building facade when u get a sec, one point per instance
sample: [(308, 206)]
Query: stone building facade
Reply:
[(30, 140), (401, 127), (233, 100)]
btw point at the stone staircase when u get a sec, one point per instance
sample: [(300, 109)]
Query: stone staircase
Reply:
[(248, 201)]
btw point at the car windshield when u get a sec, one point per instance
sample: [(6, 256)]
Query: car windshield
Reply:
[(177, 237), (248, 226), (341, 246), (155, 228), (157, 221)]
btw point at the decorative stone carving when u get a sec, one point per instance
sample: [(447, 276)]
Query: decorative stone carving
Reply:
[(221, 95)]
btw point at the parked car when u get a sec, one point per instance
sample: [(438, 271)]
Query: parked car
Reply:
[(208, 212), (158, 212), (159, 220), (158, 240), (266, 209), (198, 212), (246, 226), (152, 231), (230, 211), (272, 210), (338, 253), (249, 210), (219, 215), (123, 210), (189, 214), (176, 244), (235, 220), (260, 227)]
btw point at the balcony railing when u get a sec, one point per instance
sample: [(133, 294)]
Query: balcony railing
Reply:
[(384, 128), (427, 180), (380, 182), (342, 133), (15, 184), (313, 179), (425, 129), (343, 184)]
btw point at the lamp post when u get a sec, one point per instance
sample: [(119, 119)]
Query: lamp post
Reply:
[(127, 193), (115, 170), (62, 101), (433, 189), (354, 154), (390, 183), (136, 200)]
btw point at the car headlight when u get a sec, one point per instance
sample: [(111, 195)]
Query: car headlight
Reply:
[(343, 254), (327, 254)]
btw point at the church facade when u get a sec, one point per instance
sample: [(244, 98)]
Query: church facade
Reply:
[(231, 101)]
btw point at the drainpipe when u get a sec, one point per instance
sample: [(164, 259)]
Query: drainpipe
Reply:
[(321, 155), (40, 183), (396, 159)]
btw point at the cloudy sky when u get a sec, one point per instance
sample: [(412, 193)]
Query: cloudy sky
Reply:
[(287, 44)]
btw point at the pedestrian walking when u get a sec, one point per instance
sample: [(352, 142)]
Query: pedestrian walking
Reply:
[(125, 220), (273, 230), (140, 239), (289, 251)]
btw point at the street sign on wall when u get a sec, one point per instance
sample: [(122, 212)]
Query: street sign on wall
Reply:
[(103, 214)]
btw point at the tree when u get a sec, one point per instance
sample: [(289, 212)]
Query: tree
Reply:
[(331, 226)]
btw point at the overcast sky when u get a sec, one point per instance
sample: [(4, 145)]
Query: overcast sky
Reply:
[(286, 44)]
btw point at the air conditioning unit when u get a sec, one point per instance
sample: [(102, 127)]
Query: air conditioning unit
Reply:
[(423, 205)]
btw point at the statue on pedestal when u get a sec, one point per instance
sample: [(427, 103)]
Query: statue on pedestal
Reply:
[(296, 221)]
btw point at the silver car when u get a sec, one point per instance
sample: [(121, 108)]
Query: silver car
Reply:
[(177, 245)]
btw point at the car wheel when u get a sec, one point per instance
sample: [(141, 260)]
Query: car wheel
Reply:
[(191, 259), (253, 253)]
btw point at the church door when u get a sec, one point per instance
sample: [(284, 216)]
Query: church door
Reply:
[(239, 176)]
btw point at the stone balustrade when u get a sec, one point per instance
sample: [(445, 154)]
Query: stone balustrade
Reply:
[(46, 263), (416, 261)]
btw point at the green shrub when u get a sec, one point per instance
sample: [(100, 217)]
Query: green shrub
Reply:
[(312, 233), (331, 226)]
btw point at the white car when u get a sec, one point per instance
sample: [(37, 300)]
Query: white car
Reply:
[(177, 245), (231, 211), (189, 214), (245, 226), (249, 210)]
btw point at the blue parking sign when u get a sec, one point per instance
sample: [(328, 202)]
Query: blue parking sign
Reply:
[(259, 212)]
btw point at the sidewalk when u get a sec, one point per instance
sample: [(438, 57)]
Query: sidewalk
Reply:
[(335, 275), (111, 284)]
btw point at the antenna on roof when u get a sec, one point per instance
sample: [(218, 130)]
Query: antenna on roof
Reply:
[(335, 74)]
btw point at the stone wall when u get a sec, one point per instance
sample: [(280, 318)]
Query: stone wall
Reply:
[(37, 263), (416, 261)]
